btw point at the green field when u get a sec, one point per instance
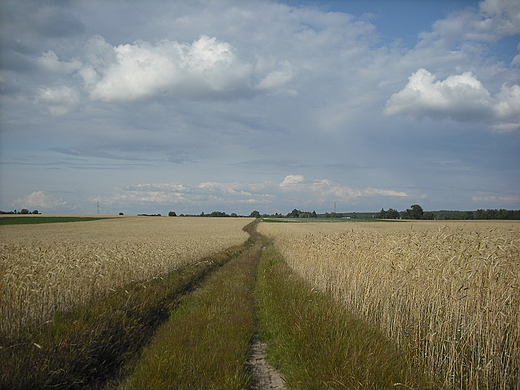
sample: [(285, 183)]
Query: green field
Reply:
[(8, 220)]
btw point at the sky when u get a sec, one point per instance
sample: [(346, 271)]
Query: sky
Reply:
[(235, 106)]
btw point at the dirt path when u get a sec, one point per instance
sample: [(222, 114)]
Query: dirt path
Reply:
[(266, 377)]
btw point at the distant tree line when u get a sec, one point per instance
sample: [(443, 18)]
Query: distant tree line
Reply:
[(489, 214), (22, 211), (302, 214), (416, 212), (212, 214), (295, 213)]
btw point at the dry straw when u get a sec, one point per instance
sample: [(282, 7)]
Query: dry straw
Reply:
[(49, 267), (447, 293)]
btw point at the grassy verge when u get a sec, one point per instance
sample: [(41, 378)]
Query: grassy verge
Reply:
[(205, 344), (316, 343), (86, 347), (29, 219)]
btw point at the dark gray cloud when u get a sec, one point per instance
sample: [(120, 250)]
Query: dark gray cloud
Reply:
[(40, 19)]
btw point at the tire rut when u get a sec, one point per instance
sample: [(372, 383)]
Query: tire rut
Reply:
[(266, 377)]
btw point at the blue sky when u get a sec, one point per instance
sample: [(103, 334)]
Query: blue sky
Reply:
[(152, 106)]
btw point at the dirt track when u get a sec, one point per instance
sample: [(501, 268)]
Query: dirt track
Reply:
[(266, 377)]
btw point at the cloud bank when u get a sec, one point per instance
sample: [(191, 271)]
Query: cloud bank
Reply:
[(293, 191)]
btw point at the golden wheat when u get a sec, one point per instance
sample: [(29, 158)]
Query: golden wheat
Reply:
[(49, 267), (447, 293)]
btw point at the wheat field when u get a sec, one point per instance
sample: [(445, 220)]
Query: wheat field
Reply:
[(448, 293), (49, 267)]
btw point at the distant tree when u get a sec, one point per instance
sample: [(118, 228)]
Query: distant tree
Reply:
[(172, 214), (314, 215), (121, 214), (416, 212), (35, 212), (392, 214), (255, 214), (294, 214), (24, 211), (234, 215)]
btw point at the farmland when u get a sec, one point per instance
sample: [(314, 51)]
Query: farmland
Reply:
[(339, 305), (49, 267), (446, 293)]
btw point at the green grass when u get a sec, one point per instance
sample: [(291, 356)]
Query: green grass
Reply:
[(206, 342), (316, 343), (29, 219)]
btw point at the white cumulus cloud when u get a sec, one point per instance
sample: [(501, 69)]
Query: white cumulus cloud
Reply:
[(507, 109), (50, 62), (38, 200), (460, 97), (291, 180), (142, 70), (59, 100)]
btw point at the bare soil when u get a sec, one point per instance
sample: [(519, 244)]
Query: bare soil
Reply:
[(266, 377)]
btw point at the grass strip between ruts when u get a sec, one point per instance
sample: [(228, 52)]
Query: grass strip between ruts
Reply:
[(206, 342)]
